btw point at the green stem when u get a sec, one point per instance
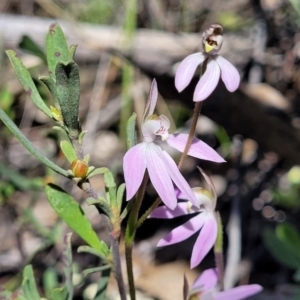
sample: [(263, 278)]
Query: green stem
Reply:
[(128, 257), (195, 116), (117, 259), (130, 234), (143, 218), (218, 251), (28, 145)]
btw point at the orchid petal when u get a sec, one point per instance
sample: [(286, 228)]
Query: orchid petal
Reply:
[(184, 231), (207, 280), (151, 102), (159, 175), (134, 165), (239, 293), (205, 240), (198, 148), (210, 183), (163, 212), (179, 194), (186, 70), (208, 81), (229, 74), (178, 179)]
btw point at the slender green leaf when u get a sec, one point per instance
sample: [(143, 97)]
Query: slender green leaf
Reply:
[(97, 171), (68, 150), (89, 271), (29, 285), (29, 45), (72, 51), (27, 144), (101, 203), (120, 194), (218, 248), (131, 132), (81, 136), (70, 211), (27, 82), (57, 48), (51, 85)]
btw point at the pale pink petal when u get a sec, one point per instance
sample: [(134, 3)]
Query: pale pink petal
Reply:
[(207, 280), (239, 293), (205, 240), (179, 194), (163, 212), (134, 165), (198, 148), (208, 81), (178, 179), (229, 74), (183, 232), (159, 175), (151, 102), (186, 70), (210, 183)]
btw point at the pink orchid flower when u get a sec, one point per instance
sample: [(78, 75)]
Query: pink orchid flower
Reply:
[(161, 167), (215, 66), (204, 221), (205, 288)]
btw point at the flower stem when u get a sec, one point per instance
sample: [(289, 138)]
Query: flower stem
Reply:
[(128, 258), (196, 113), (130, 234), (218, 251), (143, 218), (116, 258)]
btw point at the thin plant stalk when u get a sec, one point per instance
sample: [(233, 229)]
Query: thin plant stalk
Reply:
[(192, 131), (128, 70), (195, 116), (218, 251), (132, 225), (117, 267)]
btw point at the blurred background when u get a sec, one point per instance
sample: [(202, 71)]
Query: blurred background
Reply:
[(122, 46)]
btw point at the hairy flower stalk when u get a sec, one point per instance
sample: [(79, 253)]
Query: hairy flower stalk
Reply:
[(215, 66), (149, 155), (204, 220), (205, 288)]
